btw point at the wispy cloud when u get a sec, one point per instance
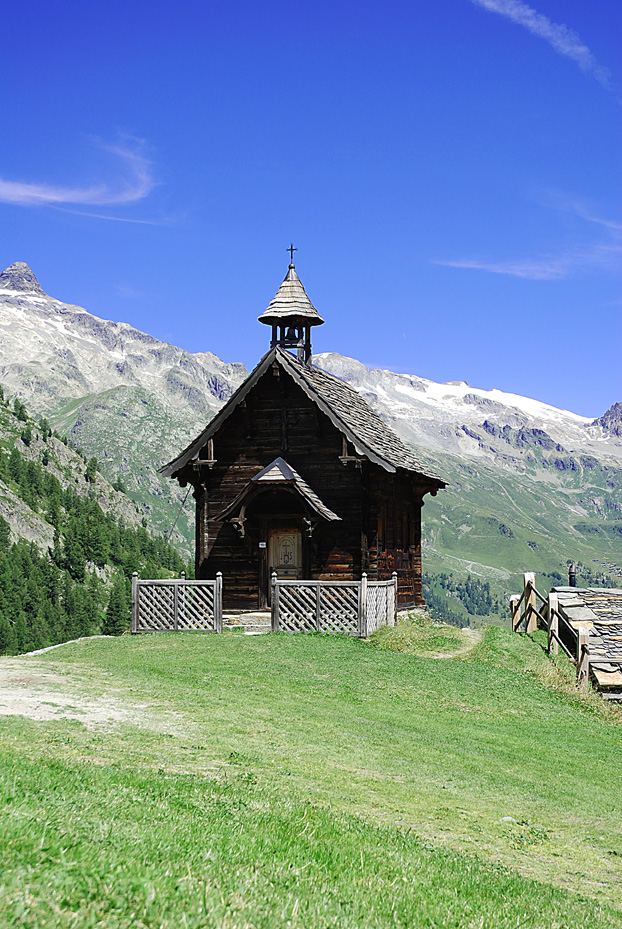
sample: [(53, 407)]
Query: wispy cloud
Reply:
[(560, 37), (567, 203), (549, 268), (116, 219), (605, 254), (134, 182)]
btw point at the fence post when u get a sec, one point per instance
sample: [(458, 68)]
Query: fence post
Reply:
[(318, 608), (531, 617), (553, 644), (181, 601), (274, 603), (175, 605), (135, 601), (583, 658), (218, 602), (515, 612), (363, 606), (394, 576)]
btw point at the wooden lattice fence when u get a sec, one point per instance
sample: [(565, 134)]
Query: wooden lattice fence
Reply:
[(177, 605), (381, 604), (347, 607)]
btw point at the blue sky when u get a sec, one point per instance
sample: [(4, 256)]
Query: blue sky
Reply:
[(448, 169)]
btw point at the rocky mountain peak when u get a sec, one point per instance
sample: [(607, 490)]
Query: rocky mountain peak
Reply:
[(20, 277), (611, 420)]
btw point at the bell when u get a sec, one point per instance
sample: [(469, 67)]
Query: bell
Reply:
[(292, 334)]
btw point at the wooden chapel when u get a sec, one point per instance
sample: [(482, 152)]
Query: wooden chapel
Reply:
[(297, 474)]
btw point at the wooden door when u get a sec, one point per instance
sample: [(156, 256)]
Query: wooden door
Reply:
[(285, 553)]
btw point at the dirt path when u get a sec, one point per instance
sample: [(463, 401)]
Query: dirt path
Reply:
[(31, 688), (473, 637)]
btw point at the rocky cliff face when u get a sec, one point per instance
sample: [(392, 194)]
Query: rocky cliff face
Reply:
[(54, 351), (19, 278), (125, 397), (611, 421), (67, 466)]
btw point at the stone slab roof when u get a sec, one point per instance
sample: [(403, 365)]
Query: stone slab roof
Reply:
[(598, 609)]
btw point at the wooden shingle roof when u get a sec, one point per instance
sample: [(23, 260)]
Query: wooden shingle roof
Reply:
[(344, 406), (291, 300), (278, 474)]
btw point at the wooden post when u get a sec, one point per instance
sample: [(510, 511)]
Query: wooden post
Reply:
[(181, 600), (275, 603), (175, 605), (583, 658), (363, 606), (318, 610), (394, 576), (135, 601), (553, 645), (531, 617), (218, 602), (515, 612)]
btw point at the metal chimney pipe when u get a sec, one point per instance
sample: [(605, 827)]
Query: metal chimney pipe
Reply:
[(572, 575)]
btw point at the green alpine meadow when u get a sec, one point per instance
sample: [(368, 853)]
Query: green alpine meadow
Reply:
[(427, 777)]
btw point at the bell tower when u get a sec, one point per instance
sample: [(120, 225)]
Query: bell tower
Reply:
[(291, 315)]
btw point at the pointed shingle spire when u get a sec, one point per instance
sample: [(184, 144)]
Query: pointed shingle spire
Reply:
[(291, 315), (291, 301)]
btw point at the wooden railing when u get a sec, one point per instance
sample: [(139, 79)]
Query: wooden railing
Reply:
[(347, 607), (525, 612)]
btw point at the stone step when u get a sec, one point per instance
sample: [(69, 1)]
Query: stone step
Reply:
[(251, 623)]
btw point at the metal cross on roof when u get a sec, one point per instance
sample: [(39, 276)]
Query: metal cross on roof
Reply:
[(291, 251)]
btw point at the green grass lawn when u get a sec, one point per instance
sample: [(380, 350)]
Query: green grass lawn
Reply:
[(315, 781)]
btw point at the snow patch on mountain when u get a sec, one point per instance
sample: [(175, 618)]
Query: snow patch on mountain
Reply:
[(455, 417)]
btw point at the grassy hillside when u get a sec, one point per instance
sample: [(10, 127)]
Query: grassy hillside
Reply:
[(132, 433), (309, 782), (495, 524)]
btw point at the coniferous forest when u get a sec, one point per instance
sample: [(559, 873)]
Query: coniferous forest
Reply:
[(82, 584)]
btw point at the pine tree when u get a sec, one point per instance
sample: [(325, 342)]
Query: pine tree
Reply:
[(44, 426), (91, 470), (20, 410), (117, 612), (5, 535), (8, 642), (15, 465)]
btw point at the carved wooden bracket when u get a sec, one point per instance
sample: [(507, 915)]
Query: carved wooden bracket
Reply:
[(238, 522), (309, 526)]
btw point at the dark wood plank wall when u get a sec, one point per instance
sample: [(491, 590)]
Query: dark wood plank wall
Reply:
[(380, 527), (392, 540), (277, 419)]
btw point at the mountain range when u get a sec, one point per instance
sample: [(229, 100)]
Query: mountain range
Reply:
[(530, 486)]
